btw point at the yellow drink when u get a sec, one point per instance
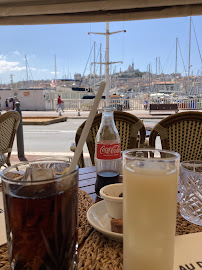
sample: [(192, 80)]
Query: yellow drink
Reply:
[(149, 211)]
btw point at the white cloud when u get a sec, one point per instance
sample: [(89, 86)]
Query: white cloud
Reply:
[(2, 56), (53, 72), (10, 66), (6, 66), (17, 53)]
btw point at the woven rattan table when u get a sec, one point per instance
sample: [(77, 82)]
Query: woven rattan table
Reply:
[(95, 250)]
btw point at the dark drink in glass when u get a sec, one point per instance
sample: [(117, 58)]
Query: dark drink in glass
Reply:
[(105, 178), (41, 222)]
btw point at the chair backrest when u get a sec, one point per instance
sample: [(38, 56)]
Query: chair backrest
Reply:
[(8, 126), (128, 127), (182, 133)]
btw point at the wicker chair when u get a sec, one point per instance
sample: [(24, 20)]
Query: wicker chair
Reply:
[(128, 127), (181, 133), (8, 126)]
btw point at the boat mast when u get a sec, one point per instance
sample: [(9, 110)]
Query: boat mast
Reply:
[(26, 68), (26, 64), (90, 75), (176, 66), (149, 76), (94, 70), (188, 86), (107, 63), (100, 61), (11, 81), (156, 66), (55, 75)]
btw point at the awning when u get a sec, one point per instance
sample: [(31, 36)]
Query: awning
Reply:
[(27, 12)]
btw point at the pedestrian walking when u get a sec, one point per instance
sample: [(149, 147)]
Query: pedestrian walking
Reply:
[(59, 104), (6, 104), (13, 104), (145, 104), (14, 101)]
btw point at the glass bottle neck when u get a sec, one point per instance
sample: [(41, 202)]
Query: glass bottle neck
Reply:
[(108, 115)]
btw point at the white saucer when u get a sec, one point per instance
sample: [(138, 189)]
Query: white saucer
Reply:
[(100, 220)]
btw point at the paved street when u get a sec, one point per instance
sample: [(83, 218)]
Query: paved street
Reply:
[(50, 138), (55, 138)]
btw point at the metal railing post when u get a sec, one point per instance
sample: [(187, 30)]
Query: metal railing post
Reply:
[(19, 135)]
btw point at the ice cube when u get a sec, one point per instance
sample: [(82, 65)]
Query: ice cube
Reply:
[(28, 174), (39, 189), (43, 174), (60, 167), (34, 174)]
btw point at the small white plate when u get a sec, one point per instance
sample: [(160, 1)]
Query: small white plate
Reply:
[(100, 220)]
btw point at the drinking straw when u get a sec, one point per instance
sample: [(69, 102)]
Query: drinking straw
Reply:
[(86, 129)]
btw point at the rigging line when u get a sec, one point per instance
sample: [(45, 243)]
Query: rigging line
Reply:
[(181, 55), (151, 67), (196, 40), (88, 60), (163, 73), (169, 66), (166, 62), (96, 60), (30, 71)]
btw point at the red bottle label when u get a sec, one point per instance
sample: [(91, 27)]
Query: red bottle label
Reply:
[(108, 151)]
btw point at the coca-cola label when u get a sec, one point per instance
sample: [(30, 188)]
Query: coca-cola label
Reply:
[(108, 151)]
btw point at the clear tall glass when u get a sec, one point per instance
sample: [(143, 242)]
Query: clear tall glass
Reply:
[(41, 209), (150, 179)]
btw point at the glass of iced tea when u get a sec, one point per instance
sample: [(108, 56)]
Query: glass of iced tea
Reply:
[(150, 180), (41, 212)]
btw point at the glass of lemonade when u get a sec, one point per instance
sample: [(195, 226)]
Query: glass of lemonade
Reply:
[(41, 209), (150, 179)]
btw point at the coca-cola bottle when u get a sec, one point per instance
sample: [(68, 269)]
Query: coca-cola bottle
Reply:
[(107, 151)]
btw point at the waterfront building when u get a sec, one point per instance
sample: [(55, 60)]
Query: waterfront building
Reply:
[(31, 99)]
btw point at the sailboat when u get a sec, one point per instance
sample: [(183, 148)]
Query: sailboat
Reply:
[(72, 91), (107, 63), (79, 91)]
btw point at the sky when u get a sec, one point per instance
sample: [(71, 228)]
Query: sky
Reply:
[(70, 44)]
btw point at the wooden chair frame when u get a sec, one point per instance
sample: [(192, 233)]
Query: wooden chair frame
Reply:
[(182, 133), (9, 122)]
